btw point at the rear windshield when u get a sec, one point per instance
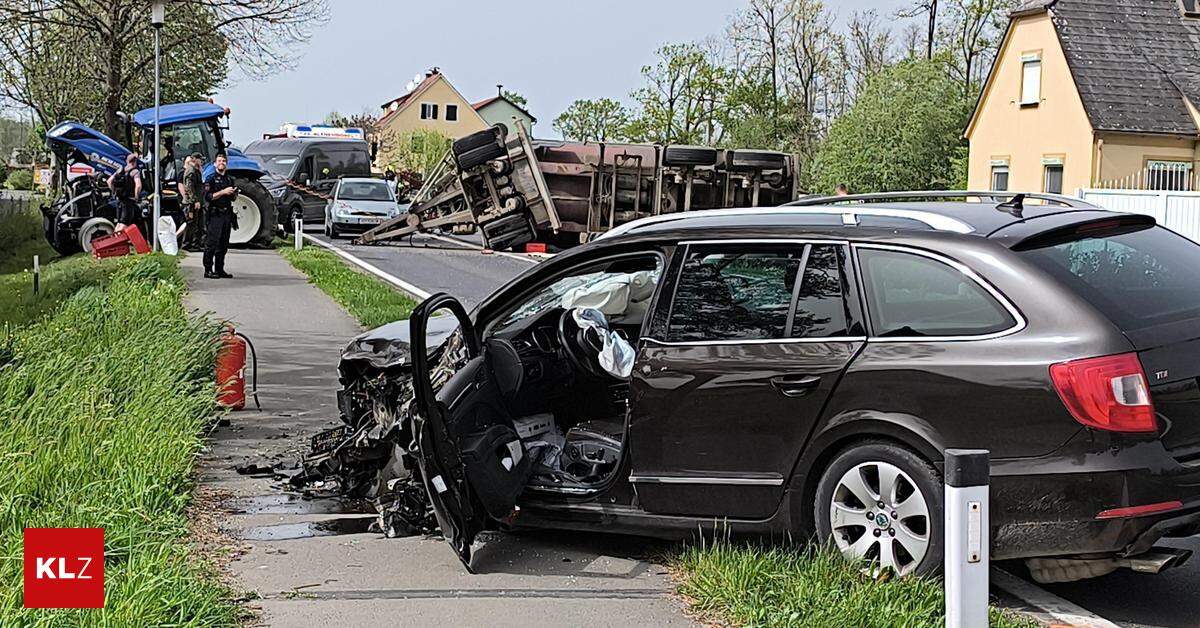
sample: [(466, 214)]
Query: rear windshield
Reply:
[(1137, 279)]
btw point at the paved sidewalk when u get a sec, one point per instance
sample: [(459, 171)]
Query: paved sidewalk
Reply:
[(310, 562)]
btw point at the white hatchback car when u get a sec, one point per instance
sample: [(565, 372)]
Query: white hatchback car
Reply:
[(359, 204)]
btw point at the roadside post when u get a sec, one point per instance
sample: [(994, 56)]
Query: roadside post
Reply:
[(299, 233), (966, 523), (37, 275), (158, 9)]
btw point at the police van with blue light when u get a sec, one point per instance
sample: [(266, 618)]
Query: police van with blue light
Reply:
[(304, 163)]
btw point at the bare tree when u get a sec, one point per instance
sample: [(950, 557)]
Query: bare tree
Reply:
[(973, 33), (107, 44), (868, 45), (758, 32), (929, 8)]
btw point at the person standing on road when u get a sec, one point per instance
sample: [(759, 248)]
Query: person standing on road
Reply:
[(191, 191), (219, 193), (126, 186)]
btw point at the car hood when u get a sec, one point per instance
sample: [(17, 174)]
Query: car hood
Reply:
[(382, 208), (388, 346)]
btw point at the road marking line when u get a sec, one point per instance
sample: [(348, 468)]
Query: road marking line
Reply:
[(521, 256), (374, 270), (1056, 607)]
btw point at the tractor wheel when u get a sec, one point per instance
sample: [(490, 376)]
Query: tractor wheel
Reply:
[(256, 215), (92, 229)]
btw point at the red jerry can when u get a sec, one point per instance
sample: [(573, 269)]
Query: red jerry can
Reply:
[(231, 371), (136, 240)]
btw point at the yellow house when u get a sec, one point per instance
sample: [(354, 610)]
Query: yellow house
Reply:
[(1091, 93), (432, 104)]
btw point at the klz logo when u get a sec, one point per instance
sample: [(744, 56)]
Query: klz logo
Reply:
[(64, 567)]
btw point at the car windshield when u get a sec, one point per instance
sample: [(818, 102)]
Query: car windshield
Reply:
[(278, 165), (365, 191), (619, 293)]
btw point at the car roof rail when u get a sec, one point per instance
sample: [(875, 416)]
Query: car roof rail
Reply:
[(848, 216), (1002, 198)]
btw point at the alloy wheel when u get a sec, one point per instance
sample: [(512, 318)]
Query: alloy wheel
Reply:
[(879, 515)]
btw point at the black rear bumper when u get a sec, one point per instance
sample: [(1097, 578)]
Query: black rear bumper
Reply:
[(1049, 506)]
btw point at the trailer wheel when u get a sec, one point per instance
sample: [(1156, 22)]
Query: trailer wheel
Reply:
[(256, 215), (757, 160), (689, 156)]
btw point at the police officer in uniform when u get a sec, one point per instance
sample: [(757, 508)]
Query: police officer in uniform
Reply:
[(219, 192)]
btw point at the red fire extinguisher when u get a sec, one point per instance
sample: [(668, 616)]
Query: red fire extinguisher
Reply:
[(231, 370)]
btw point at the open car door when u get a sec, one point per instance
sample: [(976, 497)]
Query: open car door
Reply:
[(472, 462)]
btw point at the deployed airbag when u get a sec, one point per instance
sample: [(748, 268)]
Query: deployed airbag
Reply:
[(616, 354)]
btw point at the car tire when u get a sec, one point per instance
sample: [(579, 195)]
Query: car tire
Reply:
[(906, 534), (689, 156), (757, 160), (333, 232)]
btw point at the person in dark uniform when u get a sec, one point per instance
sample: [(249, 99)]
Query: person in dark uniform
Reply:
[(219, 193), (126, 186)]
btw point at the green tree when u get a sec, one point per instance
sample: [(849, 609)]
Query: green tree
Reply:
[(683, 97), (417, 151), (601, 120), (903, 133), (515, 98)]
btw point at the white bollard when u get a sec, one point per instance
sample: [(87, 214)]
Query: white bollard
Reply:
[(37, 274), (299, 233), (966, 521)]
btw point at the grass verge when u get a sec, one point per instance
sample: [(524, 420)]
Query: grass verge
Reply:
[(754, 586), (103, 408), (20, 239), (368, 299)]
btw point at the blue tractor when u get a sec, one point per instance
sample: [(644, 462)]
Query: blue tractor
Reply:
[(84, 158)]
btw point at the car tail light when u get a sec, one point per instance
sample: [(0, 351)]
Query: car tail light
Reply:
[(1108, 393)]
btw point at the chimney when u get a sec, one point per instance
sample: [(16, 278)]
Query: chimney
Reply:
[(499, 89)]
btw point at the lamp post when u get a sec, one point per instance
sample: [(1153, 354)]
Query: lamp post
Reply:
[(158, 10)]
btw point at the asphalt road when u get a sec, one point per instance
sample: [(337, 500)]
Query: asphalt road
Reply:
[(1138, 600), (438, 265)]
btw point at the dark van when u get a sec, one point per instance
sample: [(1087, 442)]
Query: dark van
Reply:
[(302, 171)]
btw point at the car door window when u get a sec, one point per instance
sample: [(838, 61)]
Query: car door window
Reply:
[(741, 292), (914, 295), (821, 306)]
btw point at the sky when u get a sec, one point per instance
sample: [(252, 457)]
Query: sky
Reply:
[(552, 52)]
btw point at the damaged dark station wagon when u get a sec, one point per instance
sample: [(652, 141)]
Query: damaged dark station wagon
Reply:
[(800, 370)]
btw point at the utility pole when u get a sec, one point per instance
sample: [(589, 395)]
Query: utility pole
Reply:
[(158, 11)]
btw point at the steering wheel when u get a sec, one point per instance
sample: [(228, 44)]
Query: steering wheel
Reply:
[(581, 345)]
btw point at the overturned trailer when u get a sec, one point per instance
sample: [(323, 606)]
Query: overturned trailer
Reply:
[(516, 190)]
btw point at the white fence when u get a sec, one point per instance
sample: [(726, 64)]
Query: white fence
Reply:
[(1177, 211)]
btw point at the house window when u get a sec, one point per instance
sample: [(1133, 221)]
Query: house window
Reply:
[(1053, 179), (1000, 177), (1031, 80), (1168, 175), (428, 111), (1191, 8), (451, 113)]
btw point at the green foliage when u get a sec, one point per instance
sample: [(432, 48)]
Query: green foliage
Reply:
[(903, 133), (680, 102), (19, 180), (418, 151), (515, 98), (20, 239), (754, 586), (601, 120), (103, 410), (369, 300)]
